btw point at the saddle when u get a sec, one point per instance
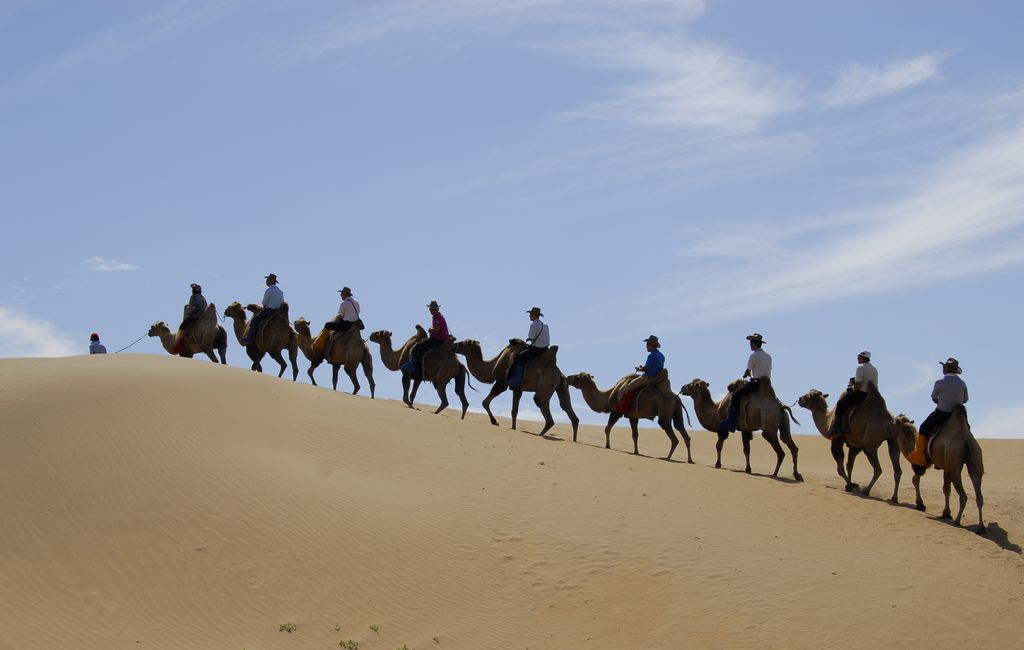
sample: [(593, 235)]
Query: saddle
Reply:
[(341, 338), (432, 360), (280, 313)]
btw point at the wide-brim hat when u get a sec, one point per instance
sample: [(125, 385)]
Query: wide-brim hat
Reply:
[(535, 310), (270, 277), (653, 340), (433, 305), (345, 290), (864, 353), (195, 286), (757, 338), (952, 365)]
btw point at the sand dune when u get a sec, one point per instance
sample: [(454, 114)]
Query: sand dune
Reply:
[(157, 502)]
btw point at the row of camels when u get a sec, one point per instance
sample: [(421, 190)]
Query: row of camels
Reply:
[(868, 425)]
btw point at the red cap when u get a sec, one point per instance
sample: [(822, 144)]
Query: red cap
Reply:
[(94, 337)]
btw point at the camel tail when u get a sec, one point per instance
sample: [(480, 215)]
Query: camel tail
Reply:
[(469, 380), (688, 422), (790, 411)]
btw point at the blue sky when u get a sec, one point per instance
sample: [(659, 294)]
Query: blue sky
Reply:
[(836, 176)]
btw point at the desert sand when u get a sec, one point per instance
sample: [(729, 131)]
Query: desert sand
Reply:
[(158, 502)]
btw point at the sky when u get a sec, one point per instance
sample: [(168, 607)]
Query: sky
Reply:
[(835, 176)]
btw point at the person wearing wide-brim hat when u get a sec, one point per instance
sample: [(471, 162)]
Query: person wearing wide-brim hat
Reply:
[(759, 366), (947, 394), (652, 371), (538, 341), (438, 334), (193, 310), (273, 298), (856, 393), (348, 316)]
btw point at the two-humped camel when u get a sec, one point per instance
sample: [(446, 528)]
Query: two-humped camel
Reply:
[(759, 411), (648, 403), (950, 449), (440, 366), (351, 354), (542, 378), (870, 424), (205, 335), (275, 334)]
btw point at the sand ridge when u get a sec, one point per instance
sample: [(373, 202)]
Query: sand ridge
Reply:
[(158, 502)]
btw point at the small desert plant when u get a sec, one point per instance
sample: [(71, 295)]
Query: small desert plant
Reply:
[(375, 628), (349, 645), (337, 627), (287, 627)]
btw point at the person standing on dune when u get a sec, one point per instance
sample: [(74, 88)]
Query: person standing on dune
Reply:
[(95, 347)]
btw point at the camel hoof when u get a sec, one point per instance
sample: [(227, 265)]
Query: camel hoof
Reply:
[(850, 487), (982, 530), (920, 506), (798, 477), (946, 515), (718, 465), (893, 500), (689, 461), (607, 446), (866, 492), (747, 470)]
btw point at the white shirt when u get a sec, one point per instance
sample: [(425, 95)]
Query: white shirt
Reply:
[(759, 364), (273, 297), (540, 334), (349, 310), (866, 373)]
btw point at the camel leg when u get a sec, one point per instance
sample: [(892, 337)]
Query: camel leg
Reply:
[(850, 485), (613, 417), (442, 392), (497, 389), (673, 440), (566, 404), (635, 430), (545, 409), (677, 420), (256, 356), (415, 389), (787, 438), (839, 456), (350, 370), (313, 365), (876, 467), (975, 473), (918, 473), (334, 375), (222, 352), (747, 437), (956, 474), (718, 449), (209, 352), (773, 439), (897, 471), (276, 356), (405, 390), (947, 481), (516, 396), (293, 356), (460, 390), (367, 364)]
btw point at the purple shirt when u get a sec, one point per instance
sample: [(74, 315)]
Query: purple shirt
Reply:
[(440, 327)]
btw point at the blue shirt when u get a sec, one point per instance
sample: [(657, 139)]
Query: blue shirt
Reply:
[(273, 297), (655, 363)]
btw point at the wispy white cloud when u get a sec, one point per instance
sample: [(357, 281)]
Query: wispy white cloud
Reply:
[(22, 335), (964, 218), (682, 82), (108, 264), (858, 83)]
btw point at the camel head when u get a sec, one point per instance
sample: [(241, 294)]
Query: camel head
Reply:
[(235, 310), (696, 388), (301, 324), (380, 336), (734, 384), (814, 400), (159, 328), (466, 346), (906, 433), (580, 380)]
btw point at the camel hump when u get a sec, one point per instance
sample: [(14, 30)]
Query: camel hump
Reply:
[(551, 352), (283, 310), (516, 342)]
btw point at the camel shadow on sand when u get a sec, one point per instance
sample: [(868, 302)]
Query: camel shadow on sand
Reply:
[(781, 479), (993, 533)]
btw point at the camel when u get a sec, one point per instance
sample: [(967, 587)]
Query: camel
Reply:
[(542, 378), (205, 336), (354, 353), (275, 335), (649, 404), (870, 425), (440, 366), (950, 449), (760, 411)]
